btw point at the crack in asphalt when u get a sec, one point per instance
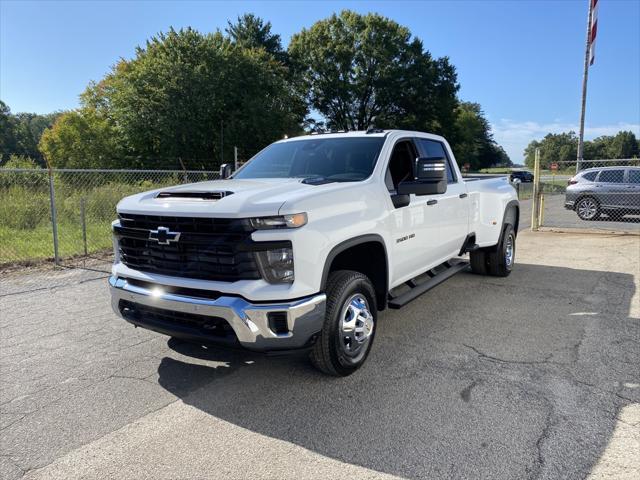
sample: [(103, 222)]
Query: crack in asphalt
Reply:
[(492, 358), (550, 422)]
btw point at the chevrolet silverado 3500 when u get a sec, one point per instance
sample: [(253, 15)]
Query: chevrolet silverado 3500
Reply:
[(305, 244)]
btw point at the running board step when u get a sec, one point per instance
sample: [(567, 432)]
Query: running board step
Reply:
[(419, 289)]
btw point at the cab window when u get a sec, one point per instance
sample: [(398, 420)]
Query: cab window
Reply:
[(401, 164)]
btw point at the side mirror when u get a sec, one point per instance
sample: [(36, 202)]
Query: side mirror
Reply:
[(225, 171), (430, 177), (431, 168)]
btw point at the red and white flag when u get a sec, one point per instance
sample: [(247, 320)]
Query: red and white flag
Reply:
[(593, 30)]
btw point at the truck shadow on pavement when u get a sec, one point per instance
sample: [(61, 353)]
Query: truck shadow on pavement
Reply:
[(481, 377)]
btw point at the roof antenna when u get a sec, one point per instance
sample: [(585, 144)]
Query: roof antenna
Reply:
[(372, 127)]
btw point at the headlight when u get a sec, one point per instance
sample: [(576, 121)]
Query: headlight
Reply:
[(276, 265), (282, 221)]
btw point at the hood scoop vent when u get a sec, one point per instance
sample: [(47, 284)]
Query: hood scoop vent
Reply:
[(195, 195)]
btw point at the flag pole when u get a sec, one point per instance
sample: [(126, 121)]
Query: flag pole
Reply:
[(580, 155)]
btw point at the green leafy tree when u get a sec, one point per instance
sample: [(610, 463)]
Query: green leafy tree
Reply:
[(597, 148), (30, 127), (474, 143), (554, 147), (356, 68), (20, 133), (82, 139), (471, 134), (8, 141), (175, 102), (623, 145), (250, 31), (563, 147)]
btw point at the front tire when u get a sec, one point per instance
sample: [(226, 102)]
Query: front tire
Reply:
[(349, 325)]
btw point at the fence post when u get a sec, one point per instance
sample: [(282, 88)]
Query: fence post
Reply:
[(83, 219), (535, 208), (54, 219)]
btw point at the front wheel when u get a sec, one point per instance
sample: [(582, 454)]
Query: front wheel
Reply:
[(349, 325)]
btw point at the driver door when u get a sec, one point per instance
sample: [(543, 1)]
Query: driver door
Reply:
[(412, 247), (447, 223)]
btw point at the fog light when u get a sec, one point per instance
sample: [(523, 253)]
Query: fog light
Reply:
[(276, 265), (278, 322)]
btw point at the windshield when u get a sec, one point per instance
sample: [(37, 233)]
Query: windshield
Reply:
[(333, 159)]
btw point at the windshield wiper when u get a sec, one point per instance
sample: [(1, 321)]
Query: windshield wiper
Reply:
[(317, 180)]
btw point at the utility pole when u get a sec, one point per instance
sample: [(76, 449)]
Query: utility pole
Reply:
[(584, 89)]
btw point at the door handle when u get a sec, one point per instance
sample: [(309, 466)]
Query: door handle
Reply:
[(432, 202), (463, 195)]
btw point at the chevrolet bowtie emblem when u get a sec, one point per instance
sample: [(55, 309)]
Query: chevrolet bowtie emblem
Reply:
[(164, 236)]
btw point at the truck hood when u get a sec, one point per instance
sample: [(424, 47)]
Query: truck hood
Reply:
[(220, 198)]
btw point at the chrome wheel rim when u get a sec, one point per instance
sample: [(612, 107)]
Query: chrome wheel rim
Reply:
[(509, 252), (587, 208), (356, 325)]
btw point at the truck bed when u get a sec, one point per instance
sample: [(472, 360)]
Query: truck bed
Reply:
[(483, 176)]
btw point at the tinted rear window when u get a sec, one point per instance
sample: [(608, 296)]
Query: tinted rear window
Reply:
[(634, 176), (591, 176), (611, 176)]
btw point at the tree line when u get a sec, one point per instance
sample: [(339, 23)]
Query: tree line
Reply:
[(563, 147), (20, 133), (187, 98)]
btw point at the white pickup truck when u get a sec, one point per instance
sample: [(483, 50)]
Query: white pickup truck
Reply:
[(307, 242)]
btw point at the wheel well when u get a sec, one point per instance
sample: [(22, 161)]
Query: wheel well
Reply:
[(512, 216), (368, 258), (586, 195)]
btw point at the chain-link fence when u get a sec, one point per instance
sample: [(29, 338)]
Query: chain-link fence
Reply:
[(598, 194), (66, 215)]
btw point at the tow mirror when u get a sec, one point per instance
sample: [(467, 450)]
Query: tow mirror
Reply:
[(225, 171), (430, 177)]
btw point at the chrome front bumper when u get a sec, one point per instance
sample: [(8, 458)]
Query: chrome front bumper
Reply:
[(249, 321)]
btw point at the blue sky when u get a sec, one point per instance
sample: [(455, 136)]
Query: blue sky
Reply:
[(521, 60)]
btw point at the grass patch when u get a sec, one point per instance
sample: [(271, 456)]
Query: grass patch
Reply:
[(525, 190), (25, 220)]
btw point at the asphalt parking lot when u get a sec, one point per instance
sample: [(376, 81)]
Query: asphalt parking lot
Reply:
[(532, 376)]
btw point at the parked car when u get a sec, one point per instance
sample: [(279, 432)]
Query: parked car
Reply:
[(303, 245), (613, 191), (521, 176)]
